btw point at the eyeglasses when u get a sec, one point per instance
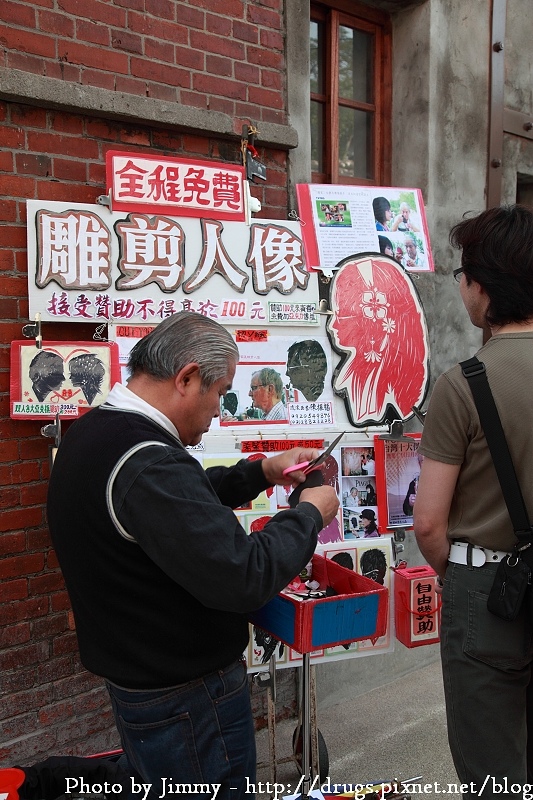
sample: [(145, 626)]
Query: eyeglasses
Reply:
[(257, 385), (457, 274)]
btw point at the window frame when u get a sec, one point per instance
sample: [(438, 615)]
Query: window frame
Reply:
[(332, 14)]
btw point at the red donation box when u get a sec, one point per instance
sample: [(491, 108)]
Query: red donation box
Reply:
[(416, 606)]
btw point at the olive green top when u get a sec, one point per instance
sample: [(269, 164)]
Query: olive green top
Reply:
[(453, 435)]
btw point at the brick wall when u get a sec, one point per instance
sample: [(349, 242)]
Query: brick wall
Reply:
[(225, 55)]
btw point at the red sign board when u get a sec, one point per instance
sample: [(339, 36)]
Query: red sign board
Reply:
[(178, 186)]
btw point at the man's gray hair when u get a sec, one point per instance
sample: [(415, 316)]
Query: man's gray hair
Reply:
[(182, 339)]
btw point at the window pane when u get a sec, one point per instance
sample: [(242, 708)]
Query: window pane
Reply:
[(316, 57), (355, 64), (355, 144), (317, 136)]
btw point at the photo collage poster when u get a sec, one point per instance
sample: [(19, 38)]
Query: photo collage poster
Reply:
[(397, 479), (343, 221)]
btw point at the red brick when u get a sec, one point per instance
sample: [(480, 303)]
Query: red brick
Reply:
[(62, 71), (76, 53), (11, 635), (70, 170), (223, 104), (232, 89), (18, 14), (186, 57), (245, 31), (60, 601), (130, 42), (33, 494), (55, 190), (76, 685), (55, 669), (8, 452), (160, 73), (46, 584), (13, 138), (95, 77), (193, 99), (6, 161), (26, 609), (33, 448), (93, 32), (66, 123), (51, 561), (39, 540), (265, 97), (105, 12), (166, 9), (231, 8), (217, 65), (15, 186), (12, 543), (190, 17), (18, 681), (272, 40), (67, 643), (30, 164), (10, 497), (26, 63), (167, 139), (138, 136), (7, 260), (27, 42), (21, 703), (247, 73), (11, 590), (271, 80), (63, 145), (264, 58), (158, 28), (13, 235), (262, 16), (47, 627), (270, 115), (158, 50), (58, 24), (217, 24), (18, 566), (15, 519), (196, 144), (24, 656), (9, 309), (209, 43)]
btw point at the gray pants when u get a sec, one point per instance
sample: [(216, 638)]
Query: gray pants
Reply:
[(487, 670)]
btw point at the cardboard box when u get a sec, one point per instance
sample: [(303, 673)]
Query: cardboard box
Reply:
[(359, 610), (416, 606)]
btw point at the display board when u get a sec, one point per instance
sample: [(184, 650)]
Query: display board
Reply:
[(318, 356)]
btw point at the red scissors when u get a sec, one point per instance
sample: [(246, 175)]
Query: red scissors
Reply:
[(308, 466)]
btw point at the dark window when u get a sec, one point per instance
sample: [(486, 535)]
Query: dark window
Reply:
[(350, 95)]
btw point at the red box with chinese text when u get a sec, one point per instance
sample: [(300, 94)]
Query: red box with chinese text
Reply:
[(358, 611), (416, 606)]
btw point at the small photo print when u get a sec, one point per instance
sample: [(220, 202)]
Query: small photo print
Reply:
[(333, 213)]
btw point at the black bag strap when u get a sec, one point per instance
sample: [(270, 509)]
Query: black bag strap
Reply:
[(476, 375)]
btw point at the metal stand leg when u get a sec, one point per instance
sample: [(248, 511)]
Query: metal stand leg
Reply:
[(306, 725)]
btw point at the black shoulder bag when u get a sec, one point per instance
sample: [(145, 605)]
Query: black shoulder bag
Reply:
[(513, 576)]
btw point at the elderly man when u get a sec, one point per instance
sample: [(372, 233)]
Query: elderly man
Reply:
[(266, 391), (160, 573), (461, 520), (413, 259)]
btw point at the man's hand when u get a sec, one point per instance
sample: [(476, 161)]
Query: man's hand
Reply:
[(273, 467), (325, 499)]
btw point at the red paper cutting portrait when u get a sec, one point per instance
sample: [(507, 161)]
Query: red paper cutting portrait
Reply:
[(378, 326)]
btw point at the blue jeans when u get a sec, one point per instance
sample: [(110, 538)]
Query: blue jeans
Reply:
[(200, 732), (486, 665)]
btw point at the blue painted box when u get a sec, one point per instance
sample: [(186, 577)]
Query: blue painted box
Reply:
[(359, 610)]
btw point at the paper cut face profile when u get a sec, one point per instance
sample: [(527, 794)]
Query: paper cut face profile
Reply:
[(379, 328), (307, 365)]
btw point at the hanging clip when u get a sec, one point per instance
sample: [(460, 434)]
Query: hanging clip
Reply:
[(53, 431), (33, 331), (395, 433), (254, 168), (293, 215), (97, 335)]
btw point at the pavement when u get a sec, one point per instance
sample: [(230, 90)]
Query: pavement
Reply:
[(394, 731)]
